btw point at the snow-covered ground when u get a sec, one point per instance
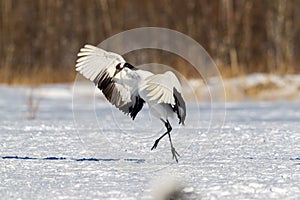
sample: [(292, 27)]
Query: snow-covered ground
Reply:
[(79, 147)]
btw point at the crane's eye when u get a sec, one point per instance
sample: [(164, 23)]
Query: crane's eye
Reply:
[(118, 67)]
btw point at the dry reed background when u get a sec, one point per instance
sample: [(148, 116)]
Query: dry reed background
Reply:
[(39, 39)]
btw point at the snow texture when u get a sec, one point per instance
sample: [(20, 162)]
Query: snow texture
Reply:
[(80, 147)]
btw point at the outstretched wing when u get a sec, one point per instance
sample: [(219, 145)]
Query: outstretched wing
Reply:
[(93, 61), (104, 69), (166, 88)]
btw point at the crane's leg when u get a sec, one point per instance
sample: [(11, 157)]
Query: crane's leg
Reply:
[(169, 129), (174, 152)]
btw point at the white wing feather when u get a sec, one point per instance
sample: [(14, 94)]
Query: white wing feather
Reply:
[(120, 89), (93, 60), (160, 87)]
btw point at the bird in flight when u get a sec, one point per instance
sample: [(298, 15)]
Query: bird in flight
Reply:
[(129, 88)]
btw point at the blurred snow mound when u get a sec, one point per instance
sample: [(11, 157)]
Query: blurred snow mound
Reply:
[(169, 187), (258, 86)]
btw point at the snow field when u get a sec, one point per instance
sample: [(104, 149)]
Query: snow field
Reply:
[(85, 149)]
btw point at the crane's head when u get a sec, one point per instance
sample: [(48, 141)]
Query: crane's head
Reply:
[(121, 66)]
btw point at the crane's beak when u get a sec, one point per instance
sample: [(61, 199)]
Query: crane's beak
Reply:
[(116, 73)]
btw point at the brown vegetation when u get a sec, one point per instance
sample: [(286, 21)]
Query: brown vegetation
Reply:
[(260, 87), (40, 38)]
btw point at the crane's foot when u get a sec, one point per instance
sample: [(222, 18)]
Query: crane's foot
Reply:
[(174, 154), (155, 144), (157, 141)]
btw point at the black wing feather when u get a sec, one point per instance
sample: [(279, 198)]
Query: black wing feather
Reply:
[(179, 108), (136, 107), (108, 87)]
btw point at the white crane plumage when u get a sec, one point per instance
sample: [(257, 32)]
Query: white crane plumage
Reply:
[(128, 88)]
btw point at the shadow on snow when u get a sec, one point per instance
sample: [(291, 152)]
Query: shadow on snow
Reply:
[(133, 160)]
